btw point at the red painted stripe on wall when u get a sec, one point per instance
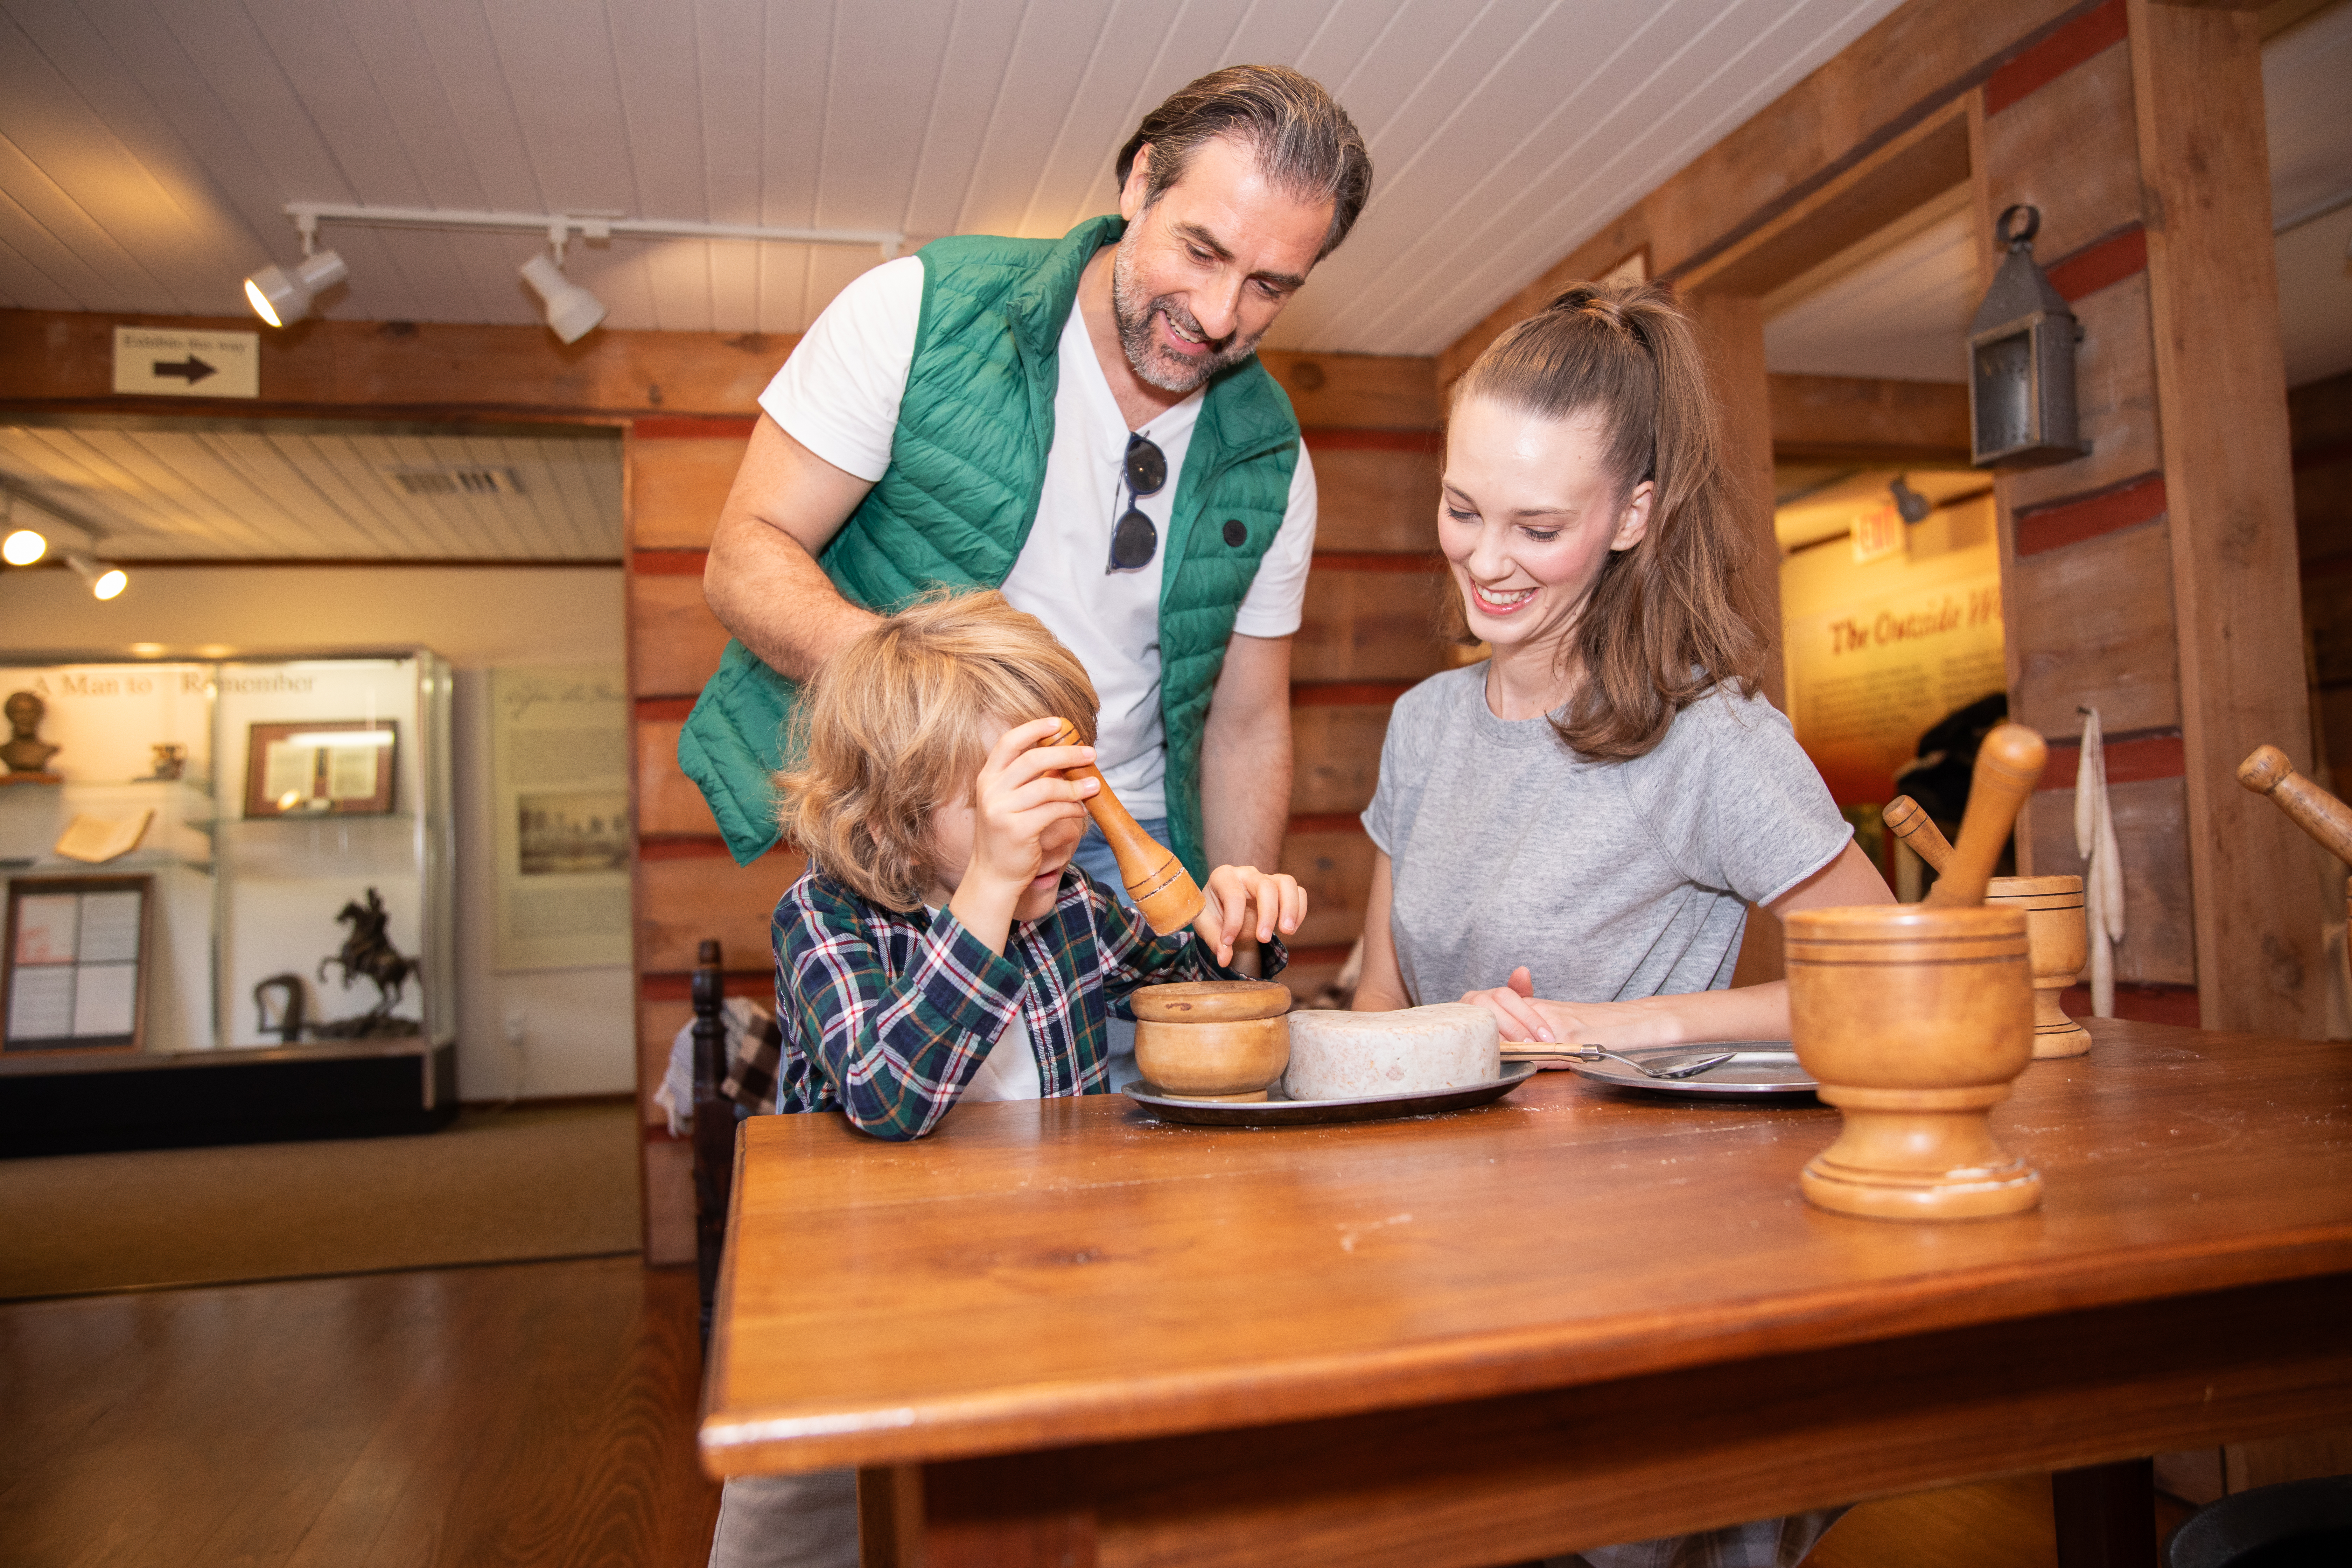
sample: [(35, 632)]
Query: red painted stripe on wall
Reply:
[(2086, 517), (2091, 34), (2142, 1004), (681, 847), (1339, 438), (685, 429), (667, 563), (1327, 822), (671, 987), (2101, 263), (1374, 561), (2131, 759), (1348, 693), (664, 706)]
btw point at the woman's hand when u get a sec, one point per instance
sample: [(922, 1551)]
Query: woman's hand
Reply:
[(1234, 893)]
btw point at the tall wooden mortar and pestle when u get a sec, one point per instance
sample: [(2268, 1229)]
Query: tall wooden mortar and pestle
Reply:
[(1198, 1040), (2057, 928), (1913, 1018)]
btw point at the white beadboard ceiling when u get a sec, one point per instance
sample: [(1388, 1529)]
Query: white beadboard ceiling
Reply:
[(1898, 304), (147, 146), (315, 489)]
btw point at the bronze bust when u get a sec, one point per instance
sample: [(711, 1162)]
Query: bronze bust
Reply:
[(25, 751)]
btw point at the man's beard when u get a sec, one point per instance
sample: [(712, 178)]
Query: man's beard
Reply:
[(1133, 314)]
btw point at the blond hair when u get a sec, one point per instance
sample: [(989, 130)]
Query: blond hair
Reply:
[(893, 726), (1680, 612)]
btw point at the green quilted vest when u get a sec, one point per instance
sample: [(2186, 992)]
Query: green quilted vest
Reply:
[(967, 465)]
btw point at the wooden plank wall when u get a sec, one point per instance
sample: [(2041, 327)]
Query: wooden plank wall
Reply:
[(687, 887), (1368, 630)]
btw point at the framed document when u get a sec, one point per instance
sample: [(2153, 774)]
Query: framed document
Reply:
[(74, 975), (320, 767)]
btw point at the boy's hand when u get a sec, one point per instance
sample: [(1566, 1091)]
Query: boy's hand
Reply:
[(1019, 793), (1280, 903)]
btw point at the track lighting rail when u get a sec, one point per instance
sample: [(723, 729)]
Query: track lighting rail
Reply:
[(587, 225)]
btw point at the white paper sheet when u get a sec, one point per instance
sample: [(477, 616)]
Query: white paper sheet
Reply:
[(110, 928), (40, 1003), (46, 927), (105, 997)]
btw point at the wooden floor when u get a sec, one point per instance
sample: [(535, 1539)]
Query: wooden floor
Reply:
[(537, 1412), (524, 1413)]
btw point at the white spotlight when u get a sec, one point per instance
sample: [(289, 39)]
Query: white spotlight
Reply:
[(23, 547), (105, 582), (279, 296), (573, 312)]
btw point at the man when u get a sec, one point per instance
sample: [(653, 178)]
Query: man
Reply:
[(1083, 423)]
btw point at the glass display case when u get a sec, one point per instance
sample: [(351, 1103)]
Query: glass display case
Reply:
[(287, 828)]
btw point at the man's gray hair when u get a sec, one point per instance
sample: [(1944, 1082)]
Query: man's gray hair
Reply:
[(1304, 141)]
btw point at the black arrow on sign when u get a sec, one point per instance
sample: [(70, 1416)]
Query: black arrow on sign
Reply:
[(193, 368)]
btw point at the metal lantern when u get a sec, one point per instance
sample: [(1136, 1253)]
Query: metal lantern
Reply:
[(2021, 361)]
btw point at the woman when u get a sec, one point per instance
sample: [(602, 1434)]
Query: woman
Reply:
[(1570, 832)]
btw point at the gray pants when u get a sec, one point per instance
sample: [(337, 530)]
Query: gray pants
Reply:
[(787, 1521), (1760, 1544)]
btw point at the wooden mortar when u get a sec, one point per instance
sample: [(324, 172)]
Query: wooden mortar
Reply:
[(1162, 890), (1913, 1018), (1212, 1039), (2057, 927)]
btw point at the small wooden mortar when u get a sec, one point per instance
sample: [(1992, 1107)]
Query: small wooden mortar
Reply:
[(1156, 879), (2057, 927), (1212, 1039), (1915, 1018)]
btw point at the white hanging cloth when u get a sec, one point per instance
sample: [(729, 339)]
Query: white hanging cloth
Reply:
[(2103, 871)]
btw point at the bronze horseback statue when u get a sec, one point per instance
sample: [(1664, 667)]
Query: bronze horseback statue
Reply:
[(368, 950)]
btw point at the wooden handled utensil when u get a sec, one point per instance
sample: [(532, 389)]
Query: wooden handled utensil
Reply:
[(2316, 812), (2007, 765), (1910, 823), (1155, 879)]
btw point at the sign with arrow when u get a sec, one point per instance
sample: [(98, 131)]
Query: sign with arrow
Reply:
[(154, 362)]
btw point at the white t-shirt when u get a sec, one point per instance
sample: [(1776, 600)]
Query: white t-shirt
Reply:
[(838, 396)]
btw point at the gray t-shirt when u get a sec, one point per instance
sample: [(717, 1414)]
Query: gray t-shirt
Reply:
[(1609, 880)]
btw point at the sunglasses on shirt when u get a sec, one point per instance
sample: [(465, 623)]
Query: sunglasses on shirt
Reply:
[(1133, 538)]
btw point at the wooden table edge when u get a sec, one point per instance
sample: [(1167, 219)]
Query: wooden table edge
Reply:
[(1291, 1388)]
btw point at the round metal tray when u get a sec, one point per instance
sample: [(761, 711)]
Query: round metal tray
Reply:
[(1764, 1068), (1279, 1111)]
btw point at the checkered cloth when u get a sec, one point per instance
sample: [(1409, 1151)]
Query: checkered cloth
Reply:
[(751, 1046), (887, 1016)]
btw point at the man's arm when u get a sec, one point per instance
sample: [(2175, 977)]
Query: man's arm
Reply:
[(762, 579), (1245, 755)]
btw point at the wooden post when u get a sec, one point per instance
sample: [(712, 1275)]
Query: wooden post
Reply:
[(1731, 326), (2220, 385)]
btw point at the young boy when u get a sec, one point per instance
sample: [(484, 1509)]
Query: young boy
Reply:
[(942, 946)]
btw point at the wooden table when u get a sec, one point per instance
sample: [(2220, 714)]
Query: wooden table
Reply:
[(1061, 1332)]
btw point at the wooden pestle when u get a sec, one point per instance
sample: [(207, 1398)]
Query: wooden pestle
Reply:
[(2007, 765), (1156, 879), (2316, 812), (1910, 823)]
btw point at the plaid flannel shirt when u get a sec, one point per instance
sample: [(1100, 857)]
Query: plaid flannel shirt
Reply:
[(886, 1015)]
